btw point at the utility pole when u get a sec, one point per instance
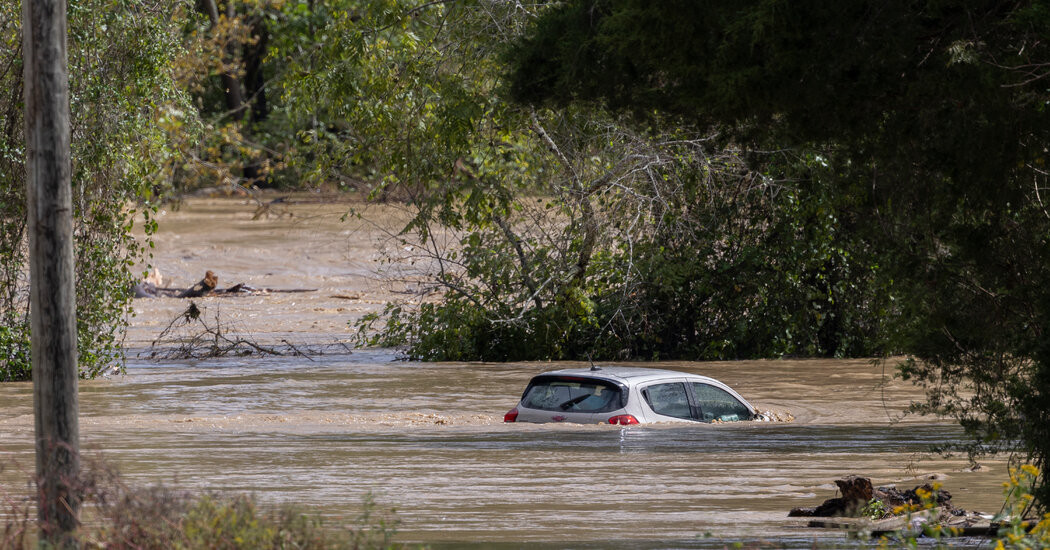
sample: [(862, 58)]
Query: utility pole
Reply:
[(52, 299)]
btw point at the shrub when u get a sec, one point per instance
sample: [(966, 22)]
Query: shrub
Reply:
[(1015, 532)]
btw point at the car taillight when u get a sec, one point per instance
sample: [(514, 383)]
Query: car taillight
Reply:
[(512, 415), (623, 419)]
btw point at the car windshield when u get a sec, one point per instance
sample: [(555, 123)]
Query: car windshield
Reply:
[(572, 394)]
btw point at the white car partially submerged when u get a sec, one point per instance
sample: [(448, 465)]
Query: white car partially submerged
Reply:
[(628, 395)]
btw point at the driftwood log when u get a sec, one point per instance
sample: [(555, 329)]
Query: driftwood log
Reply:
[(856, 491), (205, 287)]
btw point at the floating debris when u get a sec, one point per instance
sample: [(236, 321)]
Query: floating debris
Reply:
[(878, 511), (191, 335), (206, 287)]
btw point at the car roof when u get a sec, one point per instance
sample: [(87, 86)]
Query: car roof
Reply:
[(627, 374)]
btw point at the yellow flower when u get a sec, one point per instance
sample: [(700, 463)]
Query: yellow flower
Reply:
[(1030, 470)]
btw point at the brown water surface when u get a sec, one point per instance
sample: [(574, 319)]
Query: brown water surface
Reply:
[(429, 439)]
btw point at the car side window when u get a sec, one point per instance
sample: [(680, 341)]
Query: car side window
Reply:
[(668, 399), (718, 404)]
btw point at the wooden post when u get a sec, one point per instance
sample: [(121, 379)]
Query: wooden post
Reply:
[(52, 293)]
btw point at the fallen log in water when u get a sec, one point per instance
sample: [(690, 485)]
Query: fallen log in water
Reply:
[(207, 287), (888, 524), (980, 529), (856, 493)]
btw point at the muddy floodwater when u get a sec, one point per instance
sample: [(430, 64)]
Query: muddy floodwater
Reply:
[(428, 439)]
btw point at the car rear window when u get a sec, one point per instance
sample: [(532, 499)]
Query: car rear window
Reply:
[(572, 394)]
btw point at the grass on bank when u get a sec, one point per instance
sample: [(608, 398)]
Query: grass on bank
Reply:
[(116, 516)]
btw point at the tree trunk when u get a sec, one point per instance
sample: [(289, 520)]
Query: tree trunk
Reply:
[(52, 292), (255, 88), (254, 79), (231, 87)]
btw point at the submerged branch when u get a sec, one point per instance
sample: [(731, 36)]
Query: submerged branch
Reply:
[(190, 336), (515, 242)]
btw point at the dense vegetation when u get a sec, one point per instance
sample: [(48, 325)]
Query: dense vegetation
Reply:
[(120, 59), (606, 178), (566, 233)]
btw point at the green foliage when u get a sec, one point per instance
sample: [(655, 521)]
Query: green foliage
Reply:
[(1015, 532), (874, 509), (395, 94), (224, 134), (677, 268), (14, 346), (549, 233), (234, 523), (753, 274), (120, 86), (457, 330)]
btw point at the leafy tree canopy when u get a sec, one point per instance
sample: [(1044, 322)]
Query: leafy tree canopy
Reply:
[(813, 70), (953, 84)]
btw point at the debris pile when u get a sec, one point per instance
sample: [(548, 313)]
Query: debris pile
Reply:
[(888, 511), (191, 335), (858, 499)]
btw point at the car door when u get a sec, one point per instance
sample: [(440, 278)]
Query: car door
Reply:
[(716, 404), (668, 400)]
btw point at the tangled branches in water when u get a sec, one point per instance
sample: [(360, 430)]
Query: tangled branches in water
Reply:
[(190, 335)]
